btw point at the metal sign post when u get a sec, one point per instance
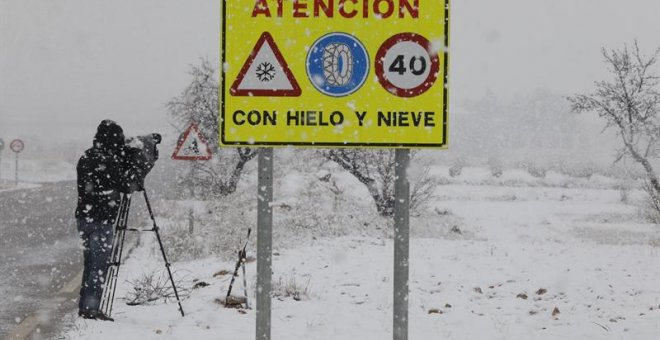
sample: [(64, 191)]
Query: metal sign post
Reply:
[(17, 146), (264, 242), (401, 244), (2, 146), (192, 146), (16, 177)]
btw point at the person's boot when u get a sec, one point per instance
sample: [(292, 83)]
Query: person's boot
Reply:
[(103, 317), (94, 315), (85, 314)]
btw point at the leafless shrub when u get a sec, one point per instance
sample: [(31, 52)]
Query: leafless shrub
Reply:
[(314, 213), (534, 169), (375, 169), (651, 206), (495, 166), (624, 191), (290, 287), (198, 102), (579, 170), (654, 242), (456, 168), (422, 191), (152, 286), (182, 245), (630, 105), (372, 167)]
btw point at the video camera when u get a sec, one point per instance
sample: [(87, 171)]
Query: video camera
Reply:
[(139, 157)]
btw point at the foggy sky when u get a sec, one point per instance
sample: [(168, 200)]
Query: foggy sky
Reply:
[(67, 64)]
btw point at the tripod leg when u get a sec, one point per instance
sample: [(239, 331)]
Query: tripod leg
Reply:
[(247, 305), (233, 276), (162, 250), (110, 288), (116, 271)]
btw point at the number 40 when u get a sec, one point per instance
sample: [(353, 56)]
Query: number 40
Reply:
[(416, 68)]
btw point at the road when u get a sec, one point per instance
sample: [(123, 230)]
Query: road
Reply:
[(39, 252)]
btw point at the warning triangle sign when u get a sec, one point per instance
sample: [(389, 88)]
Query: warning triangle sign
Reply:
[(192, 146), (265, 73)]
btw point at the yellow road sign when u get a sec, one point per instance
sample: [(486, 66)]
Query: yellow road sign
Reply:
[(346, 73)]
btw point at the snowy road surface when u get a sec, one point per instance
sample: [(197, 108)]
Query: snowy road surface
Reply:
[(39, 250)]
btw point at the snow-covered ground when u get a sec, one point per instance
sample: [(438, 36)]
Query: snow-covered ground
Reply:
[(523, 261), (34, 171), (11, 185)]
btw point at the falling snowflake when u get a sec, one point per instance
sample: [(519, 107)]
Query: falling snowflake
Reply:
[(265, 72)]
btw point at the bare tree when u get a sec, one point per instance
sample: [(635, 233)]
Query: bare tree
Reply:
[(198, 102), (630, 104), (375, 169)]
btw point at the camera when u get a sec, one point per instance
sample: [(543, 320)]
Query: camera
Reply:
[(139, 157)]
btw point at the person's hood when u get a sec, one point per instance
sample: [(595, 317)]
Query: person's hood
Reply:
[(109, 135)]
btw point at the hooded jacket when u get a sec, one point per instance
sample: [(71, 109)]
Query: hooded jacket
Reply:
[(100, 175)]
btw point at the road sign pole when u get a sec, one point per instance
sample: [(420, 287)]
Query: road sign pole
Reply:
[(16, 168), (191, 183), (17, 146), (2, 147), (401, 245), (264, 242)]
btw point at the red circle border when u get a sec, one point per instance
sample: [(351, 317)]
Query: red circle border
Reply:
[(17, 145), (380, 57)]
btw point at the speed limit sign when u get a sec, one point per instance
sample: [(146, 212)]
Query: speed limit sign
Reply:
[(404, 66), (17, 145)]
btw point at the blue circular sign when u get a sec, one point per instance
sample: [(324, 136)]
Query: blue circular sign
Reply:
[(337, 64)]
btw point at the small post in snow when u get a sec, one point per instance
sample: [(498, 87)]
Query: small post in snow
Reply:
[(2, 146), (16, 173), (17, 146), (401, 244), (191, 214), (192, 146), (264, 242)]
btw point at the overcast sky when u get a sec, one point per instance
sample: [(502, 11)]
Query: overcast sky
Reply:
[(67, 64)]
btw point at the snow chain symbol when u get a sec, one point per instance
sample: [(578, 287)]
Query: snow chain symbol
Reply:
[(337, 64)]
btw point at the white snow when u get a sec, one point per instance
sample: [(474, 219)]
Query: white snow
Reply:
[(37, 170), (517, 253)]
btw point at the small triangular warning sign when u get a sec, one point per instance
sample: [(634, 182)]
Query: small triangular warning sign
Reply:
[(192, 146), (265, 73)]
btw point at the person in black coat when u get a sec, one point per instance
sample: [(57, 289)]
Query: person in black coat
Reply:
[(101, 179)]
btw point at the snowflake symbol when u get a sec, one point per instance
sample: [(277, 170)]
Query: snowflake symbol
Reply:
[(265, 72)]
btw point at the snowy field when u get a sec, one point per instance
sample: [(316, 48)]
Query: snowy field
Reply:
[(508, 258), (32, 171)]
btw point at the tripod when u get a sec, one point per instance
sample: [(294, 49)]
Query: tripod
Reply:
[(242, 258), (118, 248)]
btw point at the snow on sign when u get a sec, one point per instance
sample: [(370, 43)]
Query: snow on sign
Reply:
[(343, 73), (192, 146)]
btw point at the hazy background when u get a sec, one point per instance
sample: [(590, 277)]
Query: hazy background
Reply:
[(67, 64)]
